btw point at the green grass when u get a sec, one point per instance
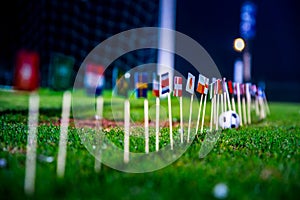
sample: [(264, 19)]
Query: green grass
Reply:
[(260, 161)]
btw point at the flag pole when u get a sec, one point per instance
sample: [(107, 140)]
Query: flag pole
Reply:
[(62, 151), (146, 126), (30, 163), (199, 113), (217, 112), (98, 117), (157, 124), (126, 129), (244, 109), (239, 103), (212, 106), (203, 115), (181, 119), (170, 120), (190, 118), (248, 97)]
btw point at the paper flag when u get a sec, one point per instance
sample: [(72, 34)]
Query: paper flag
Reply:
[(201, 84), (230, 87), (219, 86), (165, 88), (177, 86), (190, 83), (155, 86), (141, 84)]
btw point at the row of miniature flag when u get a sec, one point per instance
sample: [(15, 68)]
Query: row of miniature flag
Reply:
[(217, 86), (222, 96)]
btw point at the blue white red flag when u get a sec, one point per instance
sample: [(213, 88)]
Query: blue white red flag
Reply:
[(165, 88)]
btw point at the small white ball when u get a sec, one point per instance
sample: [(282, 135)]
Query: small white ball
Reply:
[(220, 191)]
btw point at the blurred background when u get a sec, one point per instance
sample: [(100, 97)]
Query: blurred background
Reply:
[(58, 35)]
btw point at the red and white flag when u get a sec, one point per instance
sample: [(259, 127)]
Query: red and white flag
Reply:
[(201, 84), (155, 86), (177, 86), (190, 83), (206, 85)]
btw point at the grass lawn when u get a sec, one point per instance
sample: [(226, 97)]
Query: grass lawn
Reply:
[(260, 161)]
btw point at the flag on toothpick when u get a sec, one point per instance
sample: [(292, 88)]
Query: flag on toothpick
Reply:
[(141, 84), (248, 98), (190, 83), (231, 94), (200, 89), (190, 88), (165, 88), (178, 93), (243, 93), (155, 92), (204, 107), (177, 86)]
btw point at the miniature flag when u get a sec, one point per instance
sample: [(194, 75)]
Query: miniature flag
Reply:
[(224, 84), (94, 79), (201, 84), (230, 87), (190, 83), (155, 86), (242, 89), (219, 86), (206, 86), (165, 88), (177, 86), (235, 88), (122, 86), (141, 84), (253, 90)]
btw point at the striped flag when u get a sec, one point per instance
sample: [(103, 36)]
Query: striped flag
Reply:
[(201, 84), (141, 84), (155, 86), (165, 88), (190, 84), (177, 86)]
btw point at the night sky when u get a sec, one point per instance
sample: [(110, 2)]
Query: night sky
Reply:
[(275, 48), (214, 25)]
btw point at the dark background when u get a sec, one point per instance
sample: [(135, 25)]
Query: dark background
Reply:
[(75, 27)]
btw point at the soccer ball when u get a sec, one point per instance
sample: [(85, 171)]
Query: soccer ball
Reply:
[(229, 119)]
